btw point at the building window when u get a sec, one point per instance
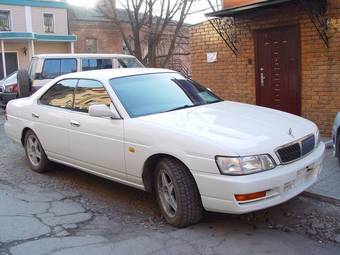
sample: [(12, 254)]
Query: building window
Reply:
[(48, 23), (5, 20), (91, 45)]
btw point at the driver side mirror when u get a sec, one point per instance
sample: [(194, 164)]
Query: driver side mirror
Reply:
[(103, 111)]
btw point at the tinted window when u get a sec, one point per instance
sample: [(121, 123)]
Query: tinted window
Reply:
[(68, 66), (60, 94), (95, 64), (128, 63), (155, 93), (56, 67), (90, 92)]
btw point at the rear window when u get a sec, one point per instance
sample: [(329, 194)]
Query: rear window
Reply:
[(61, 94), (55, 67), (96, 63)]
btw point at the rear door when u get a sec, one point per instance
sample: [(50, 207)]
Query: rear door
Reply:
[(96, 143), (52, 117)]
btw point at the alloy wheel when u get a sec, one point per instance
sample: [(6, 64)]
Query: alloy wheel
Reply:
[(167, 193)]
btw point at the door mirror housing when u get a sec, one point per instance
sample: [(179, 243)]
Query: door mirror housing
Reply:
[(103, 111)]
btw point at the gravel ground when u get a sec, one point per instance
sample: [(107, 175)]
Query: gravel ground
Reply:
[(71, 212)]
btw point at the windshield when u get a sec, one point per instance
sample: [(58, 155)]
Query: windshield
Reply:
[(11, 76), (161, 92)]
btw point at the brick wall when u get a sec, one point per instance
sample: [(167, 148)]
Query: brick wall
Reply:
[(233, 77)]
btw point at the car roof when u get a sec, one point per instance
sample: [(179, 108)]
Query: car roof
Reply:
[(107, 74), (83, 55)]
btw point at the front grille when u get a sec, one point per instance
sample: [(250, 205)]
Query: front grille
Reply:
[(296, 150)]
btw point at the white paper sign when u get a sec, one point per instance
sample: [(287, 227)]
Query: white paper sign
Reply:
[(211, 57)]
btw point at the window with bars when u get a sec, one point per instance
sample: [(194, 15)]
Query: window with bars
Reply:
[(48, 23), (5, 20)]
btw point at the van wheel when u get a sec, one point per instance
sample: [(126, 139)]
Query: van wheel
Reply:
[(23, 80), (35, 153), (177, 193)]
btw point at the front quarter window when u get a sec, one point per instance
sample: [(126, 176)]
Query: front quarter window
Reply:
[(160, 92)]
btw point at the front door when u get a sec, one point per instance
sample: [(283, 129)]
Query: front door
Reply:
[(278, 69)]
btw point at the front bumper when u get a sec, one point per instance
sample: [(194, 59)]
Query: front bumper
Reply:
[(6, 97), (281, 184)]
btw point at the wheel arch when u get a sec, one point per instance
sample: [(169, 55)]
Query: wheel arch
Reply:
[(23, 134), (149, 167)]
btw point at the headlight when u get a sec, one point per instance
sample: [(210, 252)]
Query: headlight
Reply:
[(244, 165), (317, 138)]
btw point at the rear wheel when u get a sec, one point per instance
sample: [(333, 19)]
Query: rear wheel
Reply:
[(35, 153), (177, 194)]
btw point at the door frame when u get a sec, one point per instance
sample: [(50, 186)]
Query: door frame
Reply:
[(256, 66)]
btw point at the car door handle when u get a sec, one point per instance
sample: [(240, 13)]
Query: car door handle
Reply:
[(75, 123), (35, 115)]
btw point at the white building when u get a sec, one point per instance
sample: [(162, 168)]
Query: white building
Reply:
[(29, 27)]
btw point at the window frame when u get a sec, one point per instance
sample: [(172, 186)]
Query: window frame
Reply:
[(53, 23), (60, 59), (54, 106), (10, 20), (87, 79), (90, 38), (74, 94)]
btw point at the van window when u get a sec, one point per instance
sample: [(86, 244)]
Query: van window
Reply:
[(89, 92), (96, 63), (55, 67), (60, 94), (128, 63)]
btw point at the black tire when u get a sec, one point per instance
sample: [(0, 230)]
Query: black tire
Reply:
[(189, 206), (24, 82), (43, 164)]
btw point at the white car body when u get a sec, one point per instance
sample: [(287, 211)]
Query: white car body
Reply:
[(195, 136)]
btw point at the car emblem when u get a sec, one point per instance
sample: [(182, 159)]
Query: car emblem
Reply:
[(290, 132)]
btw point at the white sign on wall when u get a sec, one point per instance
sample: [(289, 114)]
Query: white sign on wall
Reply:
[(211, 57)]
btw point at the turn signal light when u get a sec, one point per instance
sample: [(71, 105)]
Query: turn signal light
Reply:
[(250, 196)]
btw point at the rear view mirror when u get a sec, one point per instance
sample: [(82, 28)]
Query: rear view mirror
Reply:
[(103, 111)]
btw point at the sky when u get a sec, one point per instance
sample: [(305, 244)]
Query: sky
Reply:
[(198, 9)]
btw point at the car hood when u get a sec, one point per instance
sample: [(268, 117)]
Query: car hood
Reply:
[(245, 129)]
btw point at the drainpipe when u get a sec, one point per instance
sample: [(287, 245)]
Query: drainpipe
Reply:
[(3, 58), (72, 47), (32, 48)]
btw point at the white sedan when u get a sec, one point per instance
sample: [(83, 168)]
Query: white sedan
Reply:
[(157, 131)]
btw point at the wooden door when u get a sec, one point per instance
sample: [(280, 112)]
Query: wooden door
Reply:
[(278, 78)]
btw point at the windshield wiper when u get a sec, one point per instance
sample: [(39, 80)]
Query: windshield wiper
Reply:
[(182, 107)]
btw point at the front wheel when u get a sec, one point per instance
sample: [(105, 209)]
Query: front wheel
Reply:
[(177, 193), (35, 153)]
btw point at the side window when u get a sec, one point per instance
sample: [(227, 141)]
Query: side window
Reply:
[(55, 67), (90, 92), (60, 94), (95, 64), (68, 66), (51, 69)]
